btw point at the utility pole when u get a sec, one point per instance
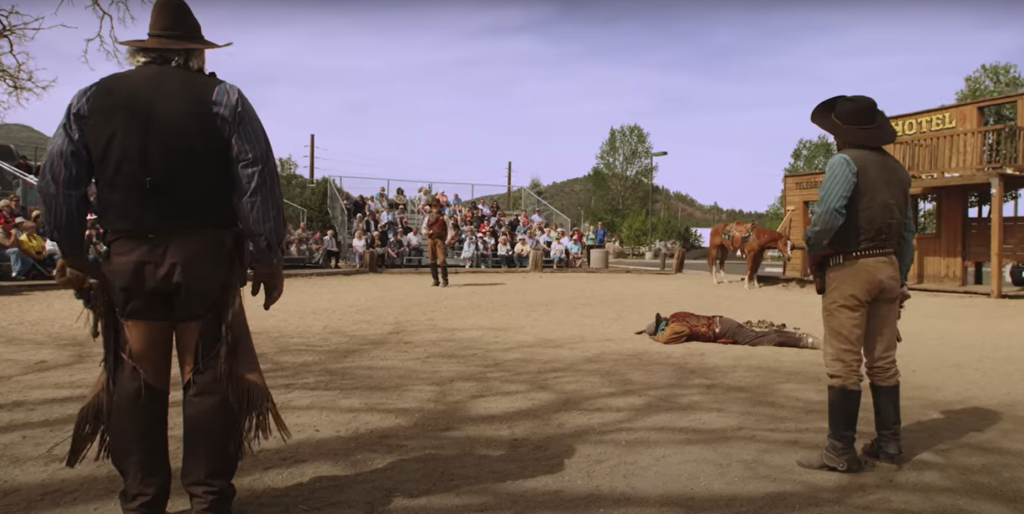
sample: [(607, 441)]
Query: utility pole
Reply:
[(508, 194), (650, 202), (312, 153)]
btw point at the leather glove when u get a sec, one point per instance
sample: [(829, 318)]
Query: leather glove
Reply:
[(272, 283), (68, 277)]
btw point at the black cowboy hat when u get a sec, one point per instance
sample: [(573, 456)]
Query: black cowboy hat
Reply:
[(172, 26), (854, 119)]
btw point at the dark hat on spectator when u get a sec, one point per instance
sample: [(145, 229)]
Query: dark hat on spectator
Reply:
[(854, 119), (172, 26)]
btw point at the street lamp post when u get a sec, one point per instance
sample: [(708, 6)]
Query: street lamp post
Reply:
[(650, 202)]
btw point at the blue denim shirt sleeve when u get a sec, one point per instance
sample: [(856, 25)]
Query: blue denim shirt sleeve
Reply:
[(65, 177), (259, 202), (829, 212)]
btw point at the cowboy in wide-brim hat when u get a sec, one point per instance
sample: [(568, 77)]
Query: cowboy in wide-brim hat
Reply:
[(172, 26), (869, 190), (169, 282), (854, 120)]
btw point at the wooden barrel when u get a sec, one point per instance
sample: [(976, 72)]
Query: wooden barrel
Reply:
[(680, 260), (599, 258), (536, 261), (370, 257)]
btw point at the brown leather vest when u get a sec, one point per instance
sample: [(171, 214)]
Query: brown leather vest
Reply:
[(878, 205), (438, 227)]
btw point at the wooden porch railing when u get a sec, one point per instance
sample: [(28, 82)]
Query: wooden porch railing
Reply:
[(962, 152)]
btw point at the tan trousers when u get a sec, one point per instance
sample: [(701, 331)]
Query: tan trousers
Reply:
[(435, 251), (860, 309)]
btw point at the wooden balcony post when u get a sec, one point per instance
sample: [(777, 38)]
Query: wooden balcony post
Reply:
[(996, 221)]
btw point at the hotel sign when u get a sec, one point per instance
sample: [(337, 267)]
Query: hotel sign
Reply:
[(924, 124)]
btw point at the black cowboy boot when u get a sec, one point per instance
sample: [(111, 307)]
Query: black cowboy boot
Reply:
[(211, 446), (138, 443), (886, 447), (444, 276), (433, 274), (839, 453)]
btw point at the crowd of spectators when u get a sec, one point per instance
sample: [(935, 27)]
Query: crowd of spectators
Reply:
[(321, 248), (480, 234), (24, 244)]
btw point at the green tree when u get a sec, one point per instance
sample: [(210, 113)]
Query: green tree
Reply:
[(311, 196), (988, 81), (286, 165), (809, 155), (623, 173), (633, 230), (690, 239)]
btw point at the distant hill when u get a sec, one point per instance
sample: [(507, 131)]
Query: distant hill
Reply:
[(574, 198), (25, 140)]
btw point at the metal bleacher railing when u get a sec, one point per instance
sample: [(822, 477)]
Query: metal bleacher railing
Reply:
[(418, 192), (339, 216), (519, 198), (15, 181)]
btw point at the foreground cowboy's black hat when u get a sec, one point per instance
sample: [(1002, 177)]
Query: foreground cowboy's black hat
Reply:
[(172, 26), (856, 120)]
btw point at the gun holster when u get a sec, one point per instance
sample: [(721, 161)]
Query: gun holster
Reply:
[(818, 273)]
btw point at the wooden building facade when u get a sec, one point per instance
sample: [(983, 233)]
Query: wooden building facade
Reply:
[(953, 153)]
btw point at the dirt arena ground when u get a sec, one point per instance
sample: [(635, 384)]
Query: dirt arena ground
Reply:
[(518, 393)]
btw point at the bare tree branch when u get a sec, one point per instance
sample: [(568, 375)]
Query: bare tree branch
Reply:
[(20, 79), (110, 14)]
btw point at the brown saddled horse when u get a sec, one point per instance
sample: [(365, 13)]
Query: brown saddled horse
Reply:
[(725, 238), (760, 240)]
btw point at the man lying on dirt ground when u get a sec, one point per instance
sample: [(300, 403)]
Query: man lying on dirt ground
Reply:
[(683, 327)]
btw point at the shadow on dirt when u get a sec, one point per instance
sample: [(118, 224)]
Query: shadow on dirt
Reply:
[(534, 426), (924, 436)]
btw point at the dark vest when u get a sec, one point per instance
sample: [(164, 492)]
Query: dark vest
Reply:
[(162, 164), (438, 227), (878, 205)]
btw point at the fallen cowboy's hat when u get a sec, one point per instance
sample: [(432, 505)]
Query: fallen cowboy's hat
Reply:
[(854, 119), (172, 26), (652, 327)]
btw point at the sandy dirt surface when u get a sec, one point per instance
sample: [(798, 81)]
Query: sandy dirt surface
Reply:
[(518, 393)]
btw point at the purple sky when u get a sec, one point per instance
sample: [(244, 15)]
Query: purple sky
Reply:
[(453, 90)]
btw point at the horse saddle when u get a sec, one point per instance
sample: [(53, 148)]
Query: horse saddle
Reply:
[(727, 235)]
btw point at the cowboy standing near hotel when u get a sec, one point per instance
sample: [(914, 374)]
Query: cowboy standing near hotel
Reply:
[(149, 137), (437, 242), (861, 241)]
